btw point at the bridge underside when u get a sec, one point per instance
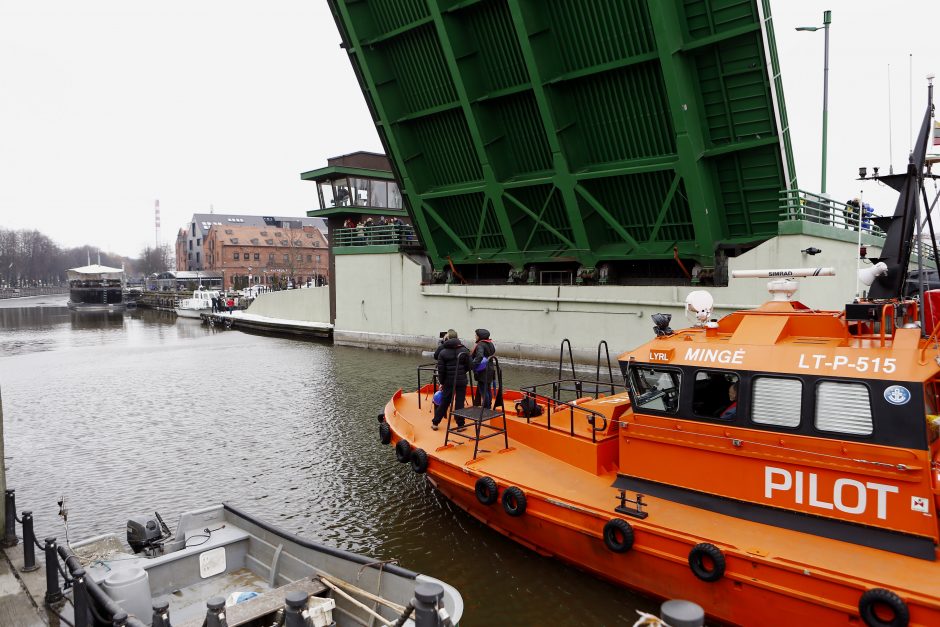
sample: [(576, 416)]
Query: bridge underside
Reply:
[(579, 131)]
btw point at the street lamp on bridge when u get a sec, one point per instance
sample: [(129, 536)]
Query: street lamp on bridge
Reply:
[(827, 19)]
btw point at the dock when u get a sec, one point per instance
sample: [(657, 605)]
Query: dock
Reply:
[(273, 326), (19, 604)]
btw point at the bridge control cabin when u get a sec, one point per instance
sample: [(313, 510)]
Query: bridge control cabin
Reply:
[(792, 417)]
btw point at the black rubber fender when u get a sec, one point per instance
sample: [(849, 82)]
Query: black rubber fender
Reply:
[(419, 461), (381, 417), (881, 598), (403, 451), (697, 562), (486, 490), (385, 433), (514, 501), (618, 535)]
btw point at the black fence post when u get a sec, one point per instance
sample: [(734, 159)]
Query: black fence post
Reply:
[(80, 599), (53, 593), (215, 614), (296, 601), (29, 543), (161, 613), (9, 534), (427, 595)]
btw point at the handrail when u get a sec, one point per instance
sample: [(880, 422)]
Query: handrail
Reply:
[(432, 367), (610, 371), (797, 204), (551, 401), (388, 235), (561, 358)]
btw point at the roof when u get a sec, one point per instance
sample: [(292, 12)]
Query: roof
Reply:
[(206, 220), (97, 269), (308, 237)]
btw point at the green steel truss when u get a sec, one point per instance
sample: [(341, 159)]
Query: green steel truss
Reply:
[(588, 130)]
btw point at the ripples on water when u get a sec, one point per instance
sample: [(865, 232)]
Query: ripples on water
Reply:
[(124, 415)]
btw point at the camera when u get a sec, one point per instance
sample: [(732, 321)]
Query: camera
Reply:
[(442, 334)]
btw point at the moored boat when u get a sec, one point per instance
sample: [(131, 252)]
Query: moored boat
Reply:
[(247, 572), (779, 466), (96, 288), (200, 303)]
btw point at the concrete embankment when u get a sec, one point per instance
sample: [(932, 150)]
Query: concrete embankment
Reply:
[(382, 304)]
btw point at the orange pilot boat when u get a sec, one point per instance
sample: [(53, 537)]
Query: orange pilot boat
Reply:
[(780, 466)]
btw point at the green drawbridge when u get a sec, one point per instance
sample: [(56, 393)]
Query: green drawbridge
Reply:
[(588, 132)]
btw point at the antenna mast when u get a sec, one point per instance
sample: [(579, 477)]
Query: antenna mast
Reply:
[(890, 142), (156, 224)]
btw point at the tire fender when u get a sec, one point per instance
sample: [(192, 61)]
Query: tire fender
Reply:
[(879, 597), (618, 535), (419, 461), (486, 490), (699, 567), (403, 451), (514, 501)]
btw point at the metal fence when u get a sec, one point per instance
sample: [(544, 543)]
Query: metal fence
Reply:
[(389, 235), (797, 204)]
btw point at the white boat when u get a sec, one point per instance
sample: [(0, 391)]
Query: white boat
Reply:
[(200, 303), (247, 572)]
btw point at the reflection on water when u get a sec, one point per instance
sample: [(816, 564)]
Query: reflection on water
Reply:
[(96, 320), (146, 412)]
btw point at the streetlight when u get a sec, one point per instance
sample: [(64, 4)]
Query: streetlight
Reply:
[(827, 19)]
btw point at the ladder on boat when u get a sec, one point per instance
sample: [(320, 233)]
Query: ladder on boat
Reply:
[(477, 423)]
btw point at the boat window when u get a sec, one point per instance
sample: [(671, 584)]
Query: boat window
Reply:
[(843, 407), (655, 388), (776, 401), (715, 394)]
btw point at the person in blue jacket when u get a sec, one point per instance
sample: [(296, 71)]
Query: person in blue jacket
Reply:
[(483, 370)]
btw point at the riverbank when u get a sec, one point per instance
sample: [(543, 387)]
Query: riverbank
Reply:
[(18, 606)]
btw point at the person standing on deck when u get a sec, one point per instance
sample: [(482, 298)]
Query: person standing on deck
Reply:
[(453, 361), (483, 372)]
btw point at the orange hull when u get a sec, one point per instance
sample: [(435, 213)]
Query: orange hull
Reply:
[(773, 576)]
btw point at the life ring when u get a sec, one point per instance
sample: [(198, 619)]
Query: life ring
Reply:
[(697, 562), (486, 490), (381, 417), (419, 461), (403, 451), (881, 598), (385, 433), (514, 501), (618, 535)]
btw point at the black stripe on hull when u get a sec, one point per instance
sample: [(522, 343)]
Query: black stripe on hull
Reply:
[(903, 544)]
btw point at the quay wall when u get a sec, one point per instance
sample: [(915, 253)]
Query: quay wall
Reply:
[(310, 304), (381, 303)]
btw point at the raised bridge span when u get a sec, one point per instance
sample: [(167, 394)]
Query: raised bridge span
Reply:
[(586, 133)]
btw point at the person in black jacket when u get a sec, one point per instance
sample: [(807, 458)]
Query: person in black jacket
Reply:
[(484, 348), (453, 361)]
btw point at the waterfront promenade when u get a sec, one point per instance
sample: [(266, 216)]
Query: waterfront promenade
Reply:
[(17, 606)]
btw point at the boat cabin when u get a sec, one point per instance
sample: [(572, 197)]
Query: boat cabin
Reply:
[(817, 421)]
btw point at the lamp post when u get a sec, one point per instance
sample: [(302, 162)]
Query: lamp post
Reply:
[(827, 19)]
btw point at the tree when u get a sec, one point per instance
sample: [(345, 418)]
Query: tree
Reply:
[(153, 260)]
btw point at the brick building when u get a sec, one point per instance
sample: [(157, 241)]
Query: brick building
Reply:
[(275, 256), (191, 251)]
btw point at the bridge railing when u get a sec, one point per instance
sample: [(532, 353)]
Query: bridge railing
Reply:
[(389, 235), (797, 204)]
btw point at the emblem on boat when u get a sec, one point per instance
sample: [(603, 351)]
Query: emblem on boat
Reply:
[(897, 395)]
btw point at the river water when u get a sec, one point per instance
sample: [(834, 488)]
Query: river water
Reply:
[(124, 415)]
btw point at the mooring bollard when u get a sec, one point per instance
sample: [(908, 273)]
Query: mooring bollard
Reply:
[(9, 534), (29, 543), (119, 619), (80, 599), (53, 593), (427, 594), (296, 602), (215, 615), (161, 613)]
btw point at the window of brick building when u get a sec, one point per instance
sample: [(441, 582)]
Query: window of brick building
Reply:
[(286, 258), (235, 256), (309, 258), (270, 257), (257, 256)]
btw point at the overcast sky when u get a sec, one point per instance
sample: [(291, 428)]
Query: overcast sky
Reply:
[(109, 105)]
